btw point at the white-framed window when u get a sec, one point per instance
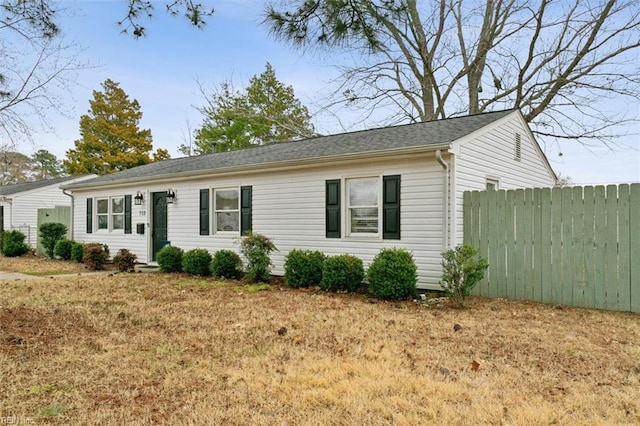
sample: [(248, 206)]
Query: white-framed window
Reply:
[(102, 213), (117, 213), (492, 184), (110, 213), (226, 210), (363, 206)]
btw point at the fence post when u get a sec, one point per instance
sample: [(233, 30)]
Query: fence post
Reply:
[(634, 246), (624, 255)]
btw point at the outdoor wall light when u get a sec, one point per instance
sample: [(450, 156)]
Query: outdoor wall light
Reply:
[(138, 198), (171, 196)]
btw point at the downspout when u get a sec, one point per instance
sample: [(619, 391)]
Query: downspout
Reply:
[(445, 166), (64, 191)]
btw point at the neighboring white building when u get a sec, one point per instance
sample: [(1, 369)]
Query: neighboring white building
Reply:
[(351, 193), (20, 202)]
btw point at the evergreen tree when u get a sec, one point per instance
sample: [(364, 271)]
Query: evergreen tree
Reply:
[(45, 165), (266, 112), (110, 135)]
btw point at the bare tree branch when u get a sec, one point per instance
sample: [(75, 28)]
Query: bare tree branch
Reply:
[(437, 59)]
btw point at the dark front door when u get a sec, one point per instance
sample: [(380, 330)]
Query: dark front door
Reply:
[(159, 224)]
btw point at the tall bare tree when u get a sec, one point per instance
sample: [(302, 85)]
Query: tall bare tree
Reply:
[(562, 63), (37, 66)]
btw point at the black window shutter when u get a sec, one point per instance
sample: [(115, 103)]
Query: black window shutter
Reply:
[(89, 215), (246, 213), (204, 211), (332, 214), (391, 207), (127, 214)]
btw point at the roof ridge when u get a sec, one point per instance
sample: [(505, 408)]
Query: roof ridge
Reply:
[(421, 135)]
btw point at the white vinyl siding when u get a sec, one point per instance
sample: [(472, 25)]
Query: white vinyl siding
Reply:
[(289, 208), (288, 205), (21, 212), (491, 154)]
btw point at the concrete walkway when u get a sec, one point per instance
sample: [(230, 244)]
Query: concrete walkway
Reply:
[(16, 276)]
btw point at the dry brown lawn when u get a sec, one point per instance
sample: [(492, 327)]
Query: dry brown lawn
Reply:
[(38, 266), (171, 349)]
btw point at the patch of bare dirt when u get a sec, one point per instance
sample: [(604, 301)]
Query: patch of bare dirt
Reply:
[(40, 330)]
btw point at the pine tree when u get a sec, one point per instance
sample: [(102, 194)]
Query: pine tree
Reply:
[(45, 165), (266, 112), (110, 135)]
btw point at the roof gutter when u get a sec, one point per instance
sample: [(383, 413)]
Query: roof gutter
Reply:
[(272, 166)]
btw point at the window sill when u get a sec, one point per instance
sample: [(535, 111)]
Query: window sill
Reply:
[(367, 238)]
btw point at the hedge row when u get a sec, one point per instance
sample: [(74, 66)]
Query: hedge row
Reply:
[(391, 275), (224, 263)]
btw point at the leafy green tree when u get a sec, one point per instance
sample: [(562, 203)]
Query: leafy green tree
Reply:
[(45, 165), (266, 112), (110, 136), (560, 63)]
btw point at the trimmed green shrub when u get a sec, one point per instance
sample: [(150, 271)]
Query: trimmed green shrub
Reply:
[(77, 251), (303, 268), (461, 272), (196, 262), (170, 259), (124, 260), (63, 249), (226, 264), (50, 234), (343, 272), (256, 248), (13, 244), (94, 256), (393, 274)]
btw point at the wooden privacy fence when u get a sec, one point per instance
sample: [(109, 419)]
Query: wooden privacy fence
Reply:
[(577, 246)]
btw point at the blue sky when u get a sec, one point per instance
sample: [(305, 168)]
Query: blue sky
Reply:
[(161, 71)]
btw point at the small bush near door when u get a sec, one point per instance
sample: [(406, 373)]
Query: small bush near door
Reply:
[(63, 249), (95, 256), (77, 251), (344, 272), (124, 260), (196, 262), (393, 274), (303, 268), (226, 264), (13, 244), (50, 234), (169, 259)]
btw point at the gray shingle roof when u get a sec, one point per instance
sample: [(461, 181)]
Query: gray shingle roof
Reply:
[(28, 186), (322, 148)]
